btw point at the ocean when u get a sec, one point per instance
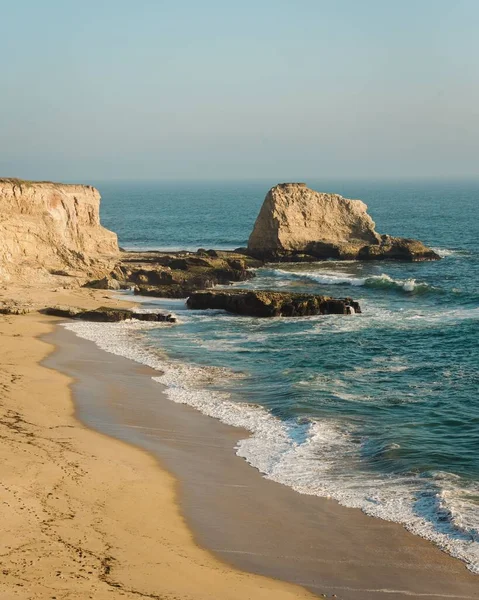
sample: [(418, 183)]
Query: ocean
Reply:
[(380, 410)]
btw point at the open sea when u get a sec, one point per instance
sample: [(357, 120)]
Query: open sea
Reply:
[(380, 410)]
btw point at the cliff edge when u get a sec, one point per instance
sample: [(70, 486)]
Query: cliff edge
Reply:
[(296, 222), (51, 228)]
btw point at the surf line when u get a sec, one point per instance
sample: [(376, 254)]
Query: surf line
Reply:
[(331, 561), (386, 591), (308, 584)]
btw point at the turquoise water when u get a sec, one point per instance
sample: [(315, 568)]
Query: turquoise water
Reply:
[(378, 410)]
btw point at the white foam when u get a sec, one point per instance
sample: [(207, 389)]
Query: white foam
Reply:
[(446, 252), (327, 464), (339, 278), (326, 277), (320, 458)]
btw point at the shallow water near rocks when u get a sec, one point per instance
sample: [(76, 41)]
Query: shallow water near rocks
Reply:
[(378, 410)]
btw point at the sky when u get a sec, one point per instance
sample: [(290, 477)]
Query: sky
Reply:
[(215, 89)]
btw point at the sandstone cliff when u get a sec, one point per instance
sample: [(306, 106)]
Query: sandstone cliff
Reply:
[(297, 222), (51, 228)]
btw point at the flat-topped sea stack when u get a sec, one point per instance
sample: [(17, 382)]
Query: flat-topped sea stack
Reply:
[(297, 223), (49, 229), (266, 303)]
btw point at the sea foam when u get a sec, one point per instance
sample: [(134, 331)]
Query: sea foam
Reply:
[(382, 281), (313, 457), (446, 252)]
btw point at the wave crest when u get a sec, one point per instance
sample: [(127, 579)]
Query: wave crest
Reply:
[(382, 281), (313, 457)]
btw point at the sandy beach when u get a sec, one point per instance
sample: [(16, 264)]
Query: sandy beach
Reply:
[(86, 516), (167, 509)]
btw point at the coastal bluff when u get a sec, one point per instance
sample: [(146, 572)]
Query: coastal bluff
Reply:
[(49, 229), (298, 223)]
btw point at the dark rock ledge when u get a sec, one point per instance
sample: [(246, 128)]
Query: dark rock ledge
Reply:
[(261, 303), (107, 314)]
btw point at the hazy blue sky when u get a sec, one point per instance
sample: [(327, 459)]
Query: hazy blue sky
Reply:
[(282, 89)]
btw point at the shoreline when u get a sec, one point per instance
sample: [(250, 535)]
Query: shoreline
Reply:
[(344, 547), (88, 516)]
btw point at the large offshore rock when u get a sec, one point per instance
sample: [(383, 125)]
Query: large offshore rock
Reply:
[(297, 222), (52, 229), (263, 303)]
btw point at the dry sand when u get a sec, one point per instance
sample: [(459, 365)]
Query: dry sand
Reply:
[(83, 515)]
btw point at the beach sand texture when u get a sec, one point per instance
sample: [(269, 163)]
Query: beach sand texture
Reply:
[(83, 515), (88, 516)]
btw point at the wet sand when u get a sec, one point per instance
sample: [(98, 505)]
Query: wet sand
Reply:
[(252, 523)]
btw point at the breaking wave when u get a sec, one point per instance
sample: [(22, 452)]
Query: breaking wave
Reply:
[(447, 252), (315, 457), (382, 281)]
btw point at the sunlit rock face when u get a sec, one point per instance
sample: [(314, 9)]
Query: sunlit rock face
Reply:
[(48, 228), (297, 223)]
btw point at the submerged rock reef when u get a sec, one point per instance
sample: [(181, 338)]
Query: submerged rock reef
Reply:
[(265, 303), (296, 223), (49, 229)]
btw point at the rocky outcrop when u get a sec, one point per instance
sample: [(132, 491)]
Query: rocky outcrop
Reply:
[(107, 314), (297, 223), (52, 229), (16, 307), (259, 303), (176, 275), (105, 283)]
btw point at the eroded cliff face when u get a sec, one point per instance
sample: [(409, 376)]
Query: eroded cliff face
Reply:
[(51, 228), (295, 220)]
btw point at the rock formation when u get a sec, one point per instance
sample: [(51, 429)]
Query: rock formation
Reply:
[(297, 223), (107, 314), (52, 229), (263, 303), (176, 275)]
